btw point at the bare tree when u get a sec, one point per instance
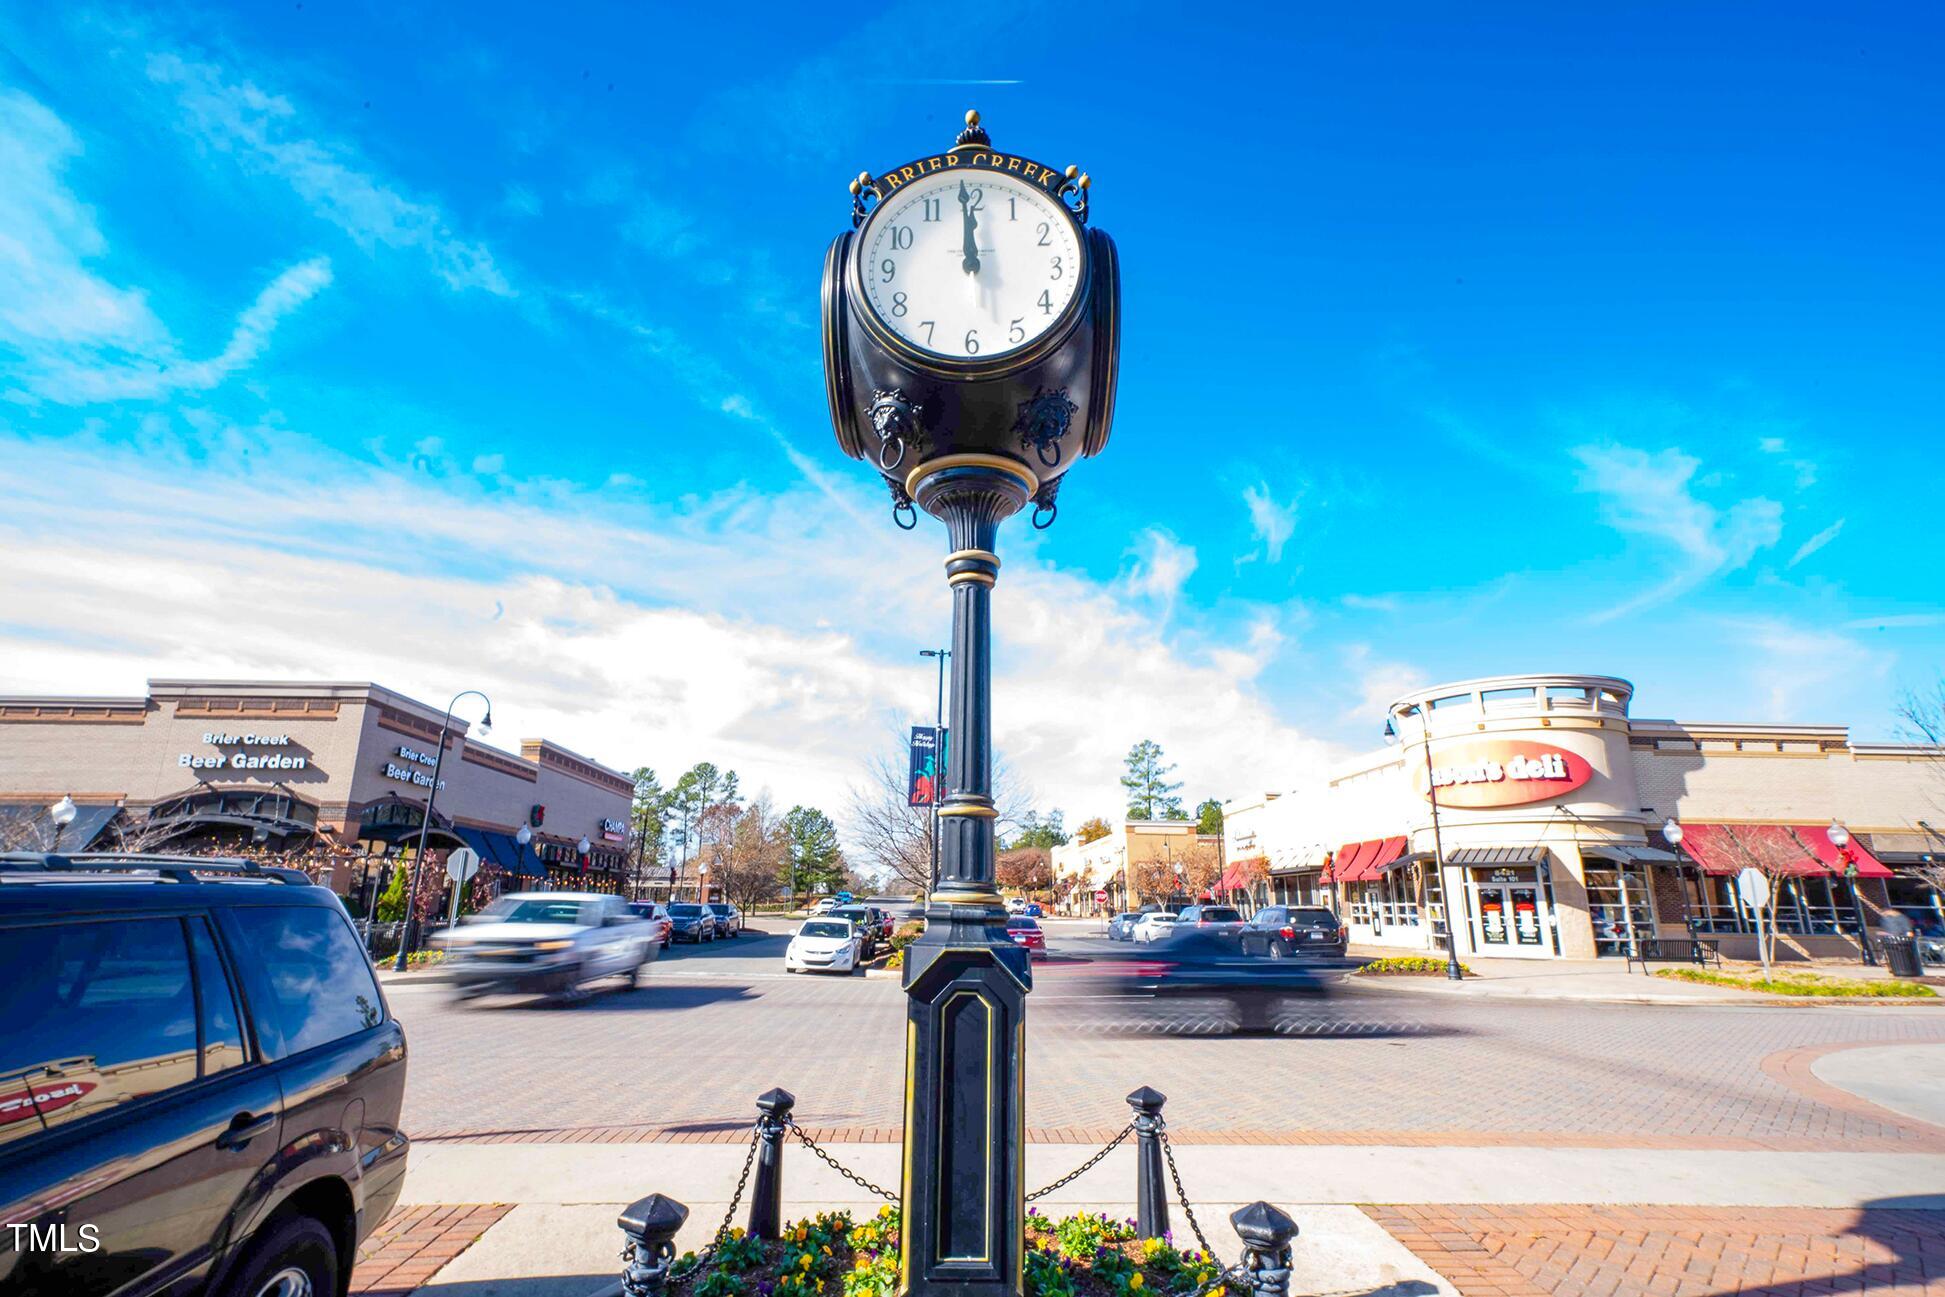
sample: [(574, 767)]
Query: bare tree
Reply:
[(1025, 869), (1775, 853), (894, 837), (751, 853)]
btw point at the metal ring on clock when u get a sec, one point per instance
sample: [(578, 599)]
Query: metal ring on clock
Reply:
[(1051, 510), (901, 511), (897, 459), (1042, 450)]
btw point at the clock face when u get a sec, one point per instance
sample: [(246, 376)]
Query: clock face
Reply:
[(965, 265)]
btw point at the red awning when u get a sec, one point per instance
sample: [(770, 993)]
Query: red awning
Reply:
[(1345, 863), (1817, 838), (1772, 848), (1362, 861)]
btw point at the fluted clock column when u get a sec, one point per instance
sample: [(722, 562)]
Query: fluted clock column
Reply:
[(965, 981)]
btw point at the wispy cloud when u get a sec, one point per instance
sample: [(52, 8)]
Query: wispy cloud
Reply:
[(1651, 494), (1161, 566), (1897, 621), (1270, 522), (267, 135), (1798, 668), (1816, 542), (77, 337)]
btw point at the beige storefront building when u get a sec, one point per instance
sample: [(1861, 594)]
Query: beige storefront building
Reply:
[(332, 771), (1551, 804)]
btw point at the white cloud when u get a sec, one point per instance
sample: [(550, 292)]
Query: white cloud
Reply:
[(765, 633), (1162, 566), (76, 336), (1651, 494), (266, 135), (1799, 669), (1816, 542), (1270, 522), (488, 465)]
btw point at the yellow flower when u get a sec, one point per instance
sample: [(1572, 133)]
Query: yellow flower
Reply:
[(1135, 1281), (803, 1263)]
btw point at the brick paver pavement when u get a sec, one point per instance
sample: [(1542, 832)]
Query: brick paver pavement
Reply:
[(711, 1029), (1595, 1251), (414, 1242)]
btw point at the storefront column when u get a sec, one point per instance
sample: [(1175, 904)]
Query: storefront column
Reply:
[(1570, 904)]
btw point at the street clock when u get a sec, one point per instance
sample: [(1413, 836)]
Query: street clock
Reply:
[(971, 309)]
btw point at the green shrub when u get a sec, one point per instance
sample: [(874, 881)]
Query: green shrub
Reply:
[(1409, 966), (1802, 984), (391, 902)]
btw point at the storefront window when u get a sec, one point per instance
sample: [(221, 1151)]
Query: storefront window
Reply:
[(1613, 922), (1435, 901)]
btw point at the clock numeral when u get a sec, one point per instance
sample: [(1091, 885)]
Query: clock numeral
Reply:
[(978, 200), (972, 342), (931, 209), (1057, 271), (1045, 229), (1012, 209), (927, 326), (901, 237), (890, 268), (1047, 301), (898, 304), (1017, 332)]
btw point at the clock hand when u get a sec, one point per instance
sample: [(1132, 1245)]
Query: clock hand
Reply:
[(971, 261)]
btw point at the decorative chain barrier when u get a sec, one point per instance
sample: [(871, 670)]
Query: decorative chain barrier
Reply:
[(1182, 1196), (1086, 1166), (835, 1165), (707, 1257)]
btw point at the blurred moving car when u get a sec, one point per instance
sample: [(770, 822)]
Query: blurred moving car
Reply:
[(824, 945), (729, 919), (1226, 919), (548, 941), (1280, 931), (203, 1079), (691, 922), (871, 934), (1026, 932), (1154, 925), (1122, 926), (1208, 965), (656, 916)]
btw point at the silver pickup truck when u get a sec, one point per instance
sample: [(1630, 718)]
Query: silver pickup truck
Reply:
[(551, 942)]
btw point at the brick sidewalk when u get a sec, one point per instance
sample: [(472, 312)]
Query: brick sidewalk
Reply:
[(414, 1242), (1593, 1251)]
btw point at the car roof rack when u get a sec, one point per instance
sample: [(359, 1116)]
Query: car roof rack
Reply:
[(175, 868)]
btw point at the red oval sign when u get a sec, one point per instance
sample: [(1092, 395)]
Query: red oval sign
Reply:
[(1503, 772)]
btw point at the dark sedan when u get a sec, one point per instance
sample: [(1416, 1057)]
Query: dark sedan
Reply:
[(1280, 931), (689, 921), (870, 924)]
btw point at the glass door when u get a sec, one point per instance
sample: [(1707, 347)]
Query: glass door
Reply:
[(1526, 915), (1494, 908)]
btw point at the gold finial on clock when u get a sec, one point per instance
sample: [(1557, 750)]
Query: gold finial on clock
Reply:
[(974, 136)]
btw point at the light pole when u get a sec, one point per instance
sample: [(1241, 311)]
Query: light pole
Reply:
[(425, 824), (938, 759), (1840, 838), (1452, 969), (702, 884), (62, 813), (1671, 832)]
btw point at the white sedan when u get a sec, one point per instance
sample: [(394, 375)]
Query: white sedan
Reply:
[(1154, 926), (824, 945)]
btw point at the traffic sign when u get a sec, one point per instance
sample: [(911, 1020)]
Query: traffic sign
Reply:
[(1753, 886), (462, 864), (1101, 897)]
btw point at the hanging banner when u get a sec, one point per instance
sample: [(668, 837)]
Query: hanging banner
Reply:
[(928, 764)]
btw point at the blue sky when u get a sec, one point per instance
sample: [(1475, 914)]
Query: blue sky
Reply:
[(443, 347)]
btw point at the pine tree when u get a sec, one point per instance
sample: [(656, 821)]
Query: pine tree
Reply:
[(1151, 795)]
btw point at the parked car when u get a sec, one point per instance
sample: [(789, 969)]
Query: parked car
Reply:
[(729, 919), (1032, 910), (1026, 932), (553, 942), (1224, 920), (829, 944), (871, 934), (1016, 905), (1154, 925), (1122, 926), (691, 922), (656, 916), (825, 904), (1281, 931), (202, 1079)]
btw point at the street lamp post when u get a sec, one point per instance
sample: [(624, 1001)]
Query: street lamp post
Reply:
[(410, 936), (1671, 832), (1840, 838), (62, 813), (702, 884), (938, 748), (1452, 970)]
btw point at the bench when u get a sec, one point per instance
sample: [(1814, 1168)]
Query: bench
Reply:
[(1697, 950)]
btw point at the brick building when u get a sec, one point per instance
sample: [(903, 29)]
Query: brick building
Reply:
[(1552, 801)]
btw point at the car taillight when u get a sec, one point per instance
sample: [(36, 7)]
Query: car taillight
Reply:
[(1288, 934)]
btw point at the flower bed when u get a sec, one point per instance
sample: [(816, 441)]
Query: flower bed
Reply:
[(1409, 966), (1804, 984), (832, 1255)]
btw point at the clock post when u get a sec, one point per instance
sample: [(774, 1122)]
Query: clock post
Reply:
[(971, 333)]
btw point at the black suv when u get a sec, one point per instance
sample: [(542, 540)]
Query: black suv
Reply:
[(1281, 931), (199, 1080)]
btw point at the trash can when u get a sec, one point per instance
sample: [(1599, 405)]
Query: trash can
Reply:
[(1901, 955)]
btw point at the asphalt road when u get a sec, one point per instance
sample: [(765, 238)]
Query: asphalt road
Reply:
[(712, 1027)]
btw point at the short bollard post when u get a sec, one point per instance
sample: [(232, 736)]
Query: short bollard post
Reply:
[(651, 1226), (1266, 1233), (766, 1199), (1151, 1192)]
